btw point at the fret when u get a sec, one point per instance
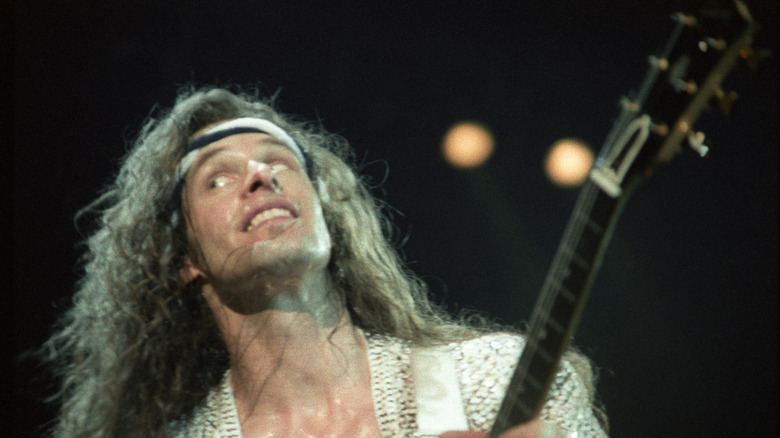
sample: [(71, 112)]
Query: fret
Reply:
[(561, 311), (586, 219), (538, 350), (553, 324), (557, 285), (527, 410), (558, 309), (566, 281), (587, 244), (576, 258), (529, 379), (533, 382), (594, 226)]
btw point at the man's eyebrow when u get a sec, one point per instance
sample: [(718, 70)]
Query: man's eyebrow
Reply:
[(205, 156)]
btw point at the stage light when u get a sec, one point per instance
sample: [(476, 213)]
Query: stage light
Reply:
[(467, 144), (568, 162)]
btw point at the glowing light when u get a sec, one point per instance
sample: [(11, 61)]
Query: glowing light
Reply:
[(568, 162), (467, 144)]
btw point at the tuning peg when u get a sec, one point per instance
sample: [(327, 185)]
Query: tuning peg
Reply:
[(659, 63), (716, 43), (689, 87), (696, 142), (726, 100), (753, 57), (686, 20)]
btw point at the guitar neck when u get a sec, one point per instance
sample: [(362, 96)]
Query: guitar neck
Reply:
[(681, 82), (557, 310)]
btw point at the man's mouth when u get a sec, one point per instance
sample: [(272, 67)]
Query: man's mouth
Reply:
[(266, 215)]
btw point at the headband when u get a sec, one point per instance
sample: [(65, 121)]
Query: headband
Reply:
[(236, 126)]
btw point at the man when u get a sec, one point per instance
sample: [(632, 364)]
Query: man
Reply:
[(241, 284)]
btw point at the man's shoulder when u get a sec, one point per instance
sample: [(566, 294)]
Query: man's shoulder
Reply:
[(484, 366), (490, 349)]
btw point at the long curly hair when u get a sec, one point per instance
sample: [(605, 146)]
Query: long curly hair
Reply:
[(138, 348)]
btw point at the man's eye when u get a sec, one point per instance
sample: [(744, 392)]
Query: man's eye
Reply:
[(219, 181)]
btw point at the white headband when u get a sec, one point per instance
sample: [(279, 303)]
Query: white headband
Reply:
[(233, 127)]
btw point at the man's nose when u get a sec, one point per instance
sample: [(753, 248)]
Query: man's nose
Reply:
[(259, 176)]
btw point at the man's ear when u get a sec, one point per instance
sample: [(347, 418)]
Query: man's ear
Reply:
[(189, 271), (322, 189)]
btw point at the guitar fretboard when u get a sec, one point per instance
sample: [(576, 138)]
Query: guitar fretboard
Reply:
[(557, 310)]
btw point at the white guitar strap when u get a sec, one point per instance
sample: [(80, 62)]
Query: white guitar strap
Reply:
[(437, 392)]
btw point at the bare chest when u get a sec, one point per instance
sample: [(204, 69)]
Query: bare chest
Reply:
[(352, 421)]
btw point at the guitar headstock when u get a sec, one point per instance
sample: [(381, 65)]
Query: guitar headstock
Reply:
[(683, 80)]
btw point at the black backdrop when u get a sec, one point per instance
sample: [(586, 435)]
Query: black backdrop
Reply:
[(682, 318)]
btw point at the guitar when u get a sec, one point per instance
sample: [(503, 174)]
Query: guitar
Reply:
[(683, 79)]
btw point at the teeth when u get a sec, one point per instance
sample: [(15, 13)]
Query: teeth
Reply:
[(268, 214)]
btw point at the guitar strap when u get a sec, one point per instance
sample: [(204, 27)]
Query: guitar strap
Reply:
[(437, 391)]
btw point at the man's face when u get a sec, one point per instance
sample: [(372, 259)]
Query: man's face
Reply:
[(253, 214)]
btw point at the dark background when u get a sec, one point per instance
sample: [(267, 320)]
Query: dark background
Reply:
[(682, 319)]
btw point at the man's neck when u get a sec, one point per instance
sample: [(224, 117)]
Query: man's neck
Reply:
[(300, 351), (278, 340)]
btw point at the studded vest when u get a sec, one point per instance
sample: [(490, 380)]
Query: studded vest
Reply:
[(483, 367)]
